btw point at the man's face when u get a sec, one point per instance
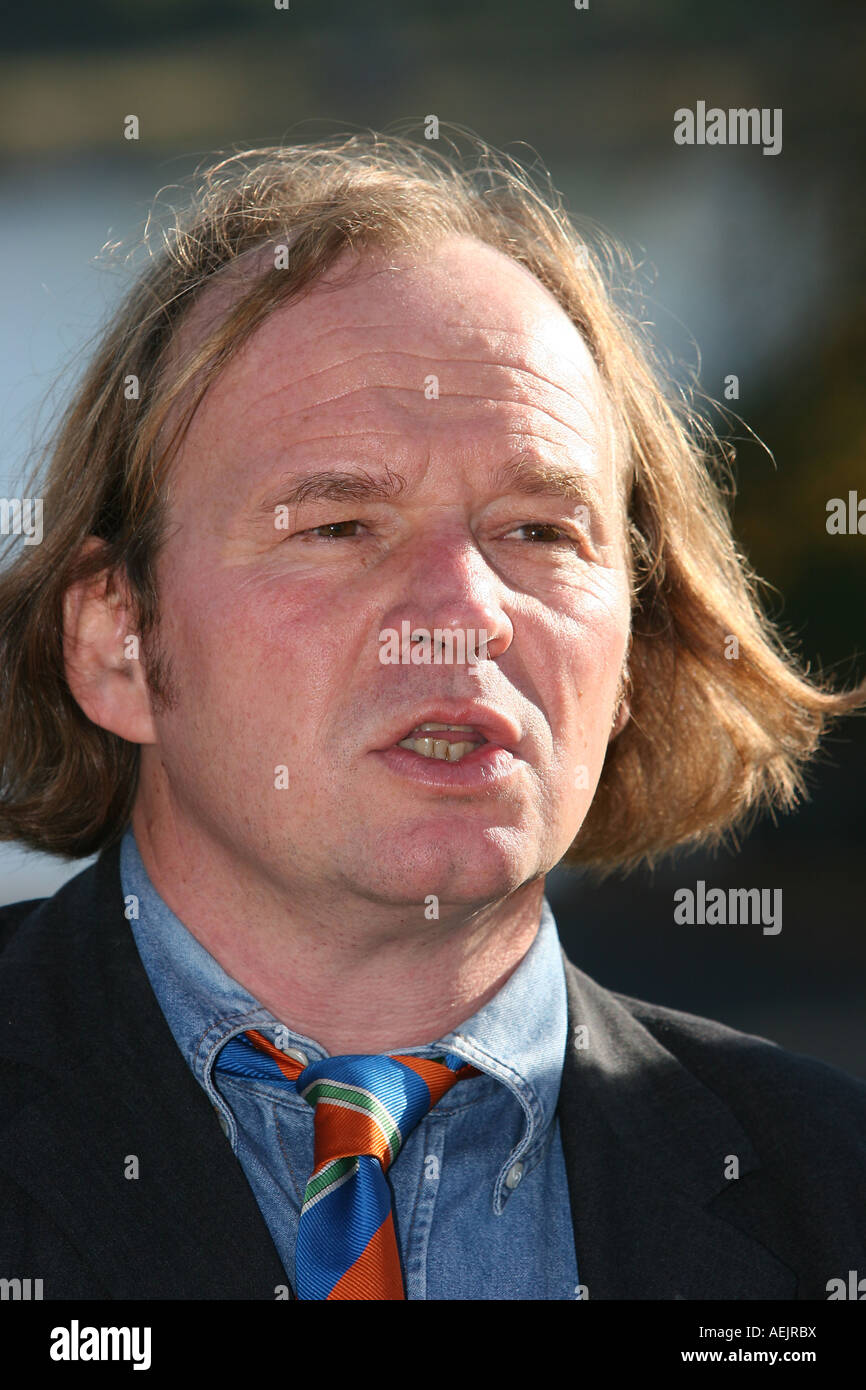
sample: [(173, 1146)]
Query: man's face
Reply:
[(442, 369)]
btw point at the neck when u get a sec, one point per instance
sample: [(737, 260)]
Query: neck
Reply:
[(352, 975)]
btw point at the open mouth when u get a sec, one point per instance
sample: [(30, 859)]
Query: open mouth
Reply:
[(448, 742)]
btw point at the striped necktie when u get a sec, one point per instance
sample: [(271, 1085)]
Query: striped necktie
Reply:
[(365, 1106)]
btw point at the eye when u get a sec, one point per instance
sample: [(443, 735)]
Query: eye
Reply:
[(330, 526), (555, 534), (541, 532)]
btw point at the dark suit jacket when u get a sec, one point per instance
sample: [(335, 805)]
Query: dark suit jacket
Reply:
[(653, 1109)]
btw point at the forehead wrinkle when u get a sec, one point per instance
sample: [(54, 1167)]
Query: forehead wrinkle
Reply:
[(535, 333), (517, 369), (586, 407), (589, 438), (535, 337)]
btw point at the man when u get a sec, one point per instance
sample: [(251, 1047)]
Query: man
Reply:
[(305, 1029)]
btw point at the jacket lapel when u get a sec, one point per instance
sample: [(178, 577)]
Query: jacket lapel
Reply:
[(647, 1147), (109, 1085)]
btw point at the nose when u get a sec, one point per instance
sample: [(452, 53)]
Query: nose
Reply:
[(446, 583)]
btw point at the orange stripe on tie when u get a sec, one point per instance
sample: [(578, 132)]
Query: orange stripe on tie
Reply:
[(439, 1078), (287, 1065), (376, 1273), (342, 1133)]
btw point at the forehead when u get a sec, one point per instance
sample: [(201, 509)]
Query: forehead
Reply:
[(360, 348), (458, 283)]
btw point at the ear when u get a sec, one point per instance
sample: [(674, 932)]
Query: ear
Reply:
[(101, 652), (621, 716), (622, 709)]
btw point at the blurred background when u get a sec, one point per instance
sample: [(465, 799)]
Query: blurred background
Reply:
[(754, 261)]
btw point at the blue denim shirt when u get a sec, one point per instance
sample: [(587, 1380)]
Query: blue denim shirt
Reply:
[(480, 1196)]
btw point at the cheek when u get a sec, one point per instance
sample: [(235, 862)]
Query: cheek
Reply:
[(594, 638), (256, 647), (599, 666), (594, 633)]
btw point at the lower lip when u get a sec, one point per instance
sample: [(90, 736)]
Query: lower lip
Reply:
[(485, 765)]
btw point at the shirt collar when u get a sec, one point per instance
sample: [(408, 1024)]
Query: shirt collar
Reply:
[(518, 1037)]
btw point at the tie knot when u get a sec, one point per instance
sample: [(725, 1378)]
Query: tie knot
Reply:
[(364, 1104), (370, 1104)]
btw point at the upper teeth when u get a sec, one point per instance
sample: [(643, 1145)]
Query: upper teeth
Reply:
[(440, 747)]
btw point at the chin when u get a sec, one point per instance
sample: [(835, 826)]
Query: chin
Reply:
[(451, 872)]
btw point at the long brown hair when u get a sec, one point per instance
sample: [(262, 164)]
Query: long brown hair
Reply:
[(712, 737)]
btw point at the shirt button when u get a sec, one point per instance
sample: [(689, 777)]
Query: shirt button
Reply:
[(513, 1176), (296, 1055)]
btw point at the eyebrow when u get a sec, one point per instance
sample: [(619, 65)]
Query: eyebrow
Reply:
[(526, 475)]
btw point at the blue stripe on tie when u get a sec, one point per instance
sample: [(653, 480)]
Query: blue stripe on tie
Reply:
[(452, 1061), (240, 1057), (405, 1094), (333, 1233)]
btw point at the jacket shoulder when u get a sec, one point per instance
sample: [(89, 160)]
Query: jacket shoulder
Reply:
[(62, 959), (798, 1101), (12, 915)]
